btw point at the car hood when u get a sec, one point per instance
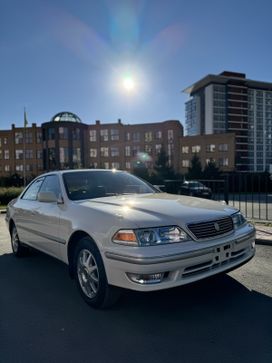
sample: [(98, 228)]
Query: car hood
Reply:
[(160, 209)]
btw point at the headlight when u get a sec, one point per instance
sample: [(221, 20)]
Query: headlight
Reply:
[(238, 220), (151, 236)]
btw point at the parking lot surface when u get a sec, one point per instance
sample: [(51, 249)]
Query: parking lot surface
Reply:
[(222, 319)]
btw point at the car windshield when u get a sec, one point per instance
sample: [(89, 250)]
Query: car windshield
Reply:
[(98, 184), (197, 185)]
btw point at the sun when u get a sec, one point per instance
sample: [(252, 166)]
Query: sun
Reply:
[(128, 84)]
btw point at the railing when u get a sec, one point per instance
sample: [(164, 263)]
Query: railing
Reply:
[(251, 193)]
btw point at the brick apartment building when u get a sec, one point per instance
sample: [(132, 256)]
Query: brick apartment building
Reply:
[(66, 142), (219, 148)]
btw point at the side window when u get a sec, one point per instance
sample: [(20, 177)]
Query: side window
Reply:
[(51, 184), (32, 191)]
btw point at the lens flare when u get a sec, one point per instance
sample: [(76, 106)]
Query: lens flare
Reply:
[(128, 83)]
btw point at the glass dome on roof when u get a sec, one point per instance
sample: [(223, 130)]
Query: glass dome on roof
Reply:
[(65, 116)]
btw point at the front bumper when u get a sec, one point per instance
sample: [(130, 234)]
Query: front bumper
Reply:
[(187, 264)]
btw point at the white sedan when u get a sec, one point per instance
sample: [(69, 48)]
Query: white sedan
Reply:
[(116, 231)]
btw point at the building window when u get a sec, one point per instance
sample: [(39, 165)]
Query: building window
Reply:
[(148, 149), (94, 165), (223, 162), (28, 137), (115, 165), (223, 147), (148, 136), (7, 168), (93, 153), (19, 139), (5, 141), (210, 160), (114, 151), (104, 151), (196, 149), (185, 149), (104, 135), (170, 135), (0, 154), (136, 136), (77, 158), (127, 151), (185, 163), (29, 167), (29, 154), (128, 136), (19, 154), (52, 158), (39, 154), (128, 165), (0, 142), (76, 134), (92, 135), (114, 134), (210, 148), (39, 137), (63, 133), (158, 148), (158, 135), (51, 133), (135, 150), (106, 165), (6, 154), (64, 157), (19, 167)]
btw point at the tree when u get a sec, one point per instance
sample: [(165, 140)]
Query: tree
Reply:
[(162, 168), (195, 170), (211, 171), (141, 171)]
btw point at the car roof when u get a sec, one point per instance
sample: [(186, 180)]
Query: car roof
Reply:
[(77, 171)]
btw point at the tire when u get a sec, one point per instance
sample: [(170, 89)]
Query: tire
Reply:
[(91, 277), (17, 248)]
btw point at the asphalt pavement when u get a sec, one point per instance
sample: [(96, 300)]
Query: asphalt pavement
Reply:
[(227, 318)]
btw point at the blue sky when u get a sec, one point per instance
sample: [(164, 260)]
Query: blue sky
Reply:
[(67, 55)]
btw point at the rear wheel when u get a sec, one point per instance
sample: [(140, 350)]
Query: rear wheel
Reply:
[(91, 277), (17, 248)]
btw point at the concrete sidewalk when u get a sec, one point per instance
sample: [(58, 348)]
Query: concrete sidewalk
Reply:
[(263, 233)]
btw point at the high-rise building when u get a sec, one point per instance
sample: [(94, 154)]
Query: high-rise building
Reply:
[(229, 102)]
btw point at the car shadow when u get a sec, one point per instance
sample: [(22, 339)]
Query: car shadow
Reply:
[(44, 319)]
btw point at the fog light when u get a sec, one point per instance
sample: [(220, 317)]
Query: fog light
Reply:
[(146, 279)]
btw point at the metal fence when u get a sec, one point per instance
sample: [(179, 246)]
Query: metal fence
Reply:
[(251, 193)]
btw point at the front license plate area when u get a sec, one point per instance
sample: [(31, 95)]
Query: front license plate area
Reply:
[(223, 253)]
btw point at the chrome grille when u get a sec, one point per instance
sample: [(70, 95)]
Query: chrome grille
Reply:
[(211, 229)]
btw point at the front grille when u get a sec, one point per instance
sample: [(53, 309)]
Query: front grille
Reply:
[(211, 229)]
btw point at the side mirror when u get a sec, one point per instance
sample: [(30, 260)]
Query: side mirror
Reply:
[(47, 197)]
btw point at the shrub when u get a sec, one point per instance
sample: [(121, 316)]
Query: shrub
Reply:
[(7, 194)]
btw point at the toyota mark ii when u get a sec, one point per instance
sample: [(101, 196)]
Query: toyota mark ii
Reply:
[(114, 231)]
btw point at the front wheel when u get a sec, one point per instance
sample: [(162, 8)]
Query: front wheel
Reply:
[(91, 277), (17, 248)]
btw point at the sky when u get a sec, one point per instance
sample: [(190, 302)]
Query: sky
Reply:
[(127, 59)]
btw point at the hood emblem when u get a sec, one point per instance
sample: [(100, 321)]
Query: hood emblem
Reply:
[(217, 227)]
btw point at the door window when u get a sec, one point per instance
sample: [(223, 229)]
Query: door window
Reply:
[(32, 191), (51, 184)]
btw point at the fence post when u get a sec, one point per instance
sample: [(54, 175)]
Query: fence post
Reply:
[(226, 189)]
